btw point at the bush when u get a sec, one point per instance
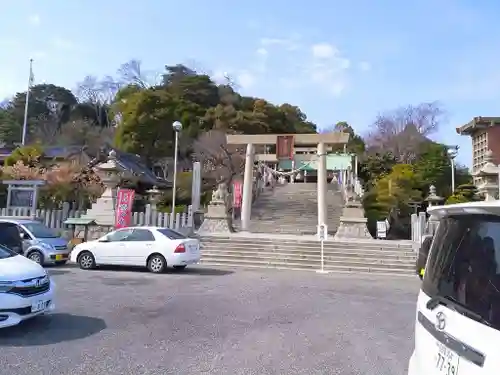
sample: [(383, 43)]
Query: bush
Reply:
[(28, 155)]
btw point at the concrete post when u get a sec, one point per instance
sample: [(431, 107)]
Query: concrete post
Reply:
[(322, 186), (196, 186), (355, 167), (246, 204)]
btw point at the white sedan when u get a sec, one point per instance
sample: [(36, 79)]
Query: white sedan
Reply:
[(25, 289), (151, 247)]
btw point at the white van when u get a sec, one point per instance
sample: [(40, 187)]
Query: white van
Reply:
[(457, 326), (25, 288)]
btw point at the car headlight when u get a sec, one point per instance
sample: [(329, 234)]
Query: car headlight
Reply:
[(46, 246), (5, 286)]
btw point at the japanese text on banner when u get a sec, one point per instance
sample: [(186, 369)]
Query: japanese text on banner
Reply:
[(124, 201)]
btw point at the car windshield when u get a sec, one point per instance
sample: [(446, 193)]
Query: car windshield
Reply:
[(40, 230), (6, 252), (172, 234), (464, 265)]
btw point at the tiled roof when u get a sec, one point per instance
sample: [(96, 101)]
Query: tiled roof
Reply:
[(135, 164)]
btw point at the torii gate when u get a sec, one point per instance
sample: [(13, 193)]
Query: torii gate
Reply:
[(284, 150)]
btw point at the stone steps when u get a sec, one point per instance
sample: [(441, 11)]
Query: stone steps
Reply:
[(329, 259), (308, 267), (308, 242), (310, 252), (293, 208), (303, 253)]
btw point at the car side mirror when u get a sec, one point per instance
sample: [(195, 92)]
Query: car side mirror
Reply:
[(21, 235), (104, 240)]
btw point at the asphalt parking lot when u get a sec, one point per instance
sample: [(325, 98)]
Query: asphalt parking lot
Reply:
[(208, 321)]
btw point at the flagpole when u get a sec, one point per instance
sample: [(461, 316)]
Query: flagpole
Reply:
[(25, 123)]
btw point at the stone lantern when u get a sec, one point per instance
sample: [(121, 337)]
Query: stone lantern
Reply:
[(154, 196), (111, 174), (433, 199), (489, 178)]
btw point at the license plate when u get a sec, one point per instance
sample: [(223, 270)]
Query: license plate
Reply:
[(446, 360), (38, 306), (61, 256)]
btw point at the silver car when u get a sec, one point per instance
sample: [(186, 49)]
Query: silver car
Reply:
[(40, 243)]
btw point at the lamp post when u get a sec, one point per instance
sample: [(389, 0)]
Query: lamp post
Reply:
[(452, 153), (177, 126)]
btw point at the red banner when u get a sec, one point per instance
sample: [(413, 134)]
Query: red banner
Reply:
[(285, 147), (237, 194), (124, 202)]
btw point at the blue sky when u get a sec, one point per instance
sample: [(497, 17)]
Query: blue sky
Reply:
[(337, 60)]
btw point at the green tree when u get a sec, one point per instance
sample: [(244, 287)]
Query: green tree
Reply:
[(145, 127), (375, 166), (433, 167), (49, 108), (295, 121), (10, 129), (230, 120), (463, 193), (355, 145), (390, 198)]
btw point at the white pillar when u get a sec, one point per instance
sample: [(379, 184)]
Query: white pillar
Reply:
[(322, 187), (196, 186), (452, 175), (292, 176), (356, 166), (246, 204)]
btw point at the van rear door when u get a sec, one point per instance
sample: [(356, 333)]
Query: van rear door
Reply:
[(458, 310)]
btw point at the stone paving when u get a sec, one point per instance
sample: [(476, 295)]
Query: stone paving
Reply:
[(209, 321)]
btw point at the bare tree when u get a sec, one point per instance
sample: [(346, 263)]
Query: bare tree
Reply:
[(97, 94), (83, 133), (220, 162), (46, 129), (132, 73), (403, 130)]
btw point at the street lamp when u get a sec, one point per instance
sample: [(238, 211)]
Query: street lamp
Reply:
[(452, 153), (177, 126)]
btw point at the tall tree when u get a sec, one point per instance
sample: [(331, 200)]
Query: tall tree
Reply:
[(10, 129), (49, 107), (95, 97), (355, 144), (403, 130), (146, 124)]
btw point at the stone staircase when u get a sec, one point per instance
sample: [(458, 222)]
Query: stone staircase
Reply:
[(303, 253), (293, 209)]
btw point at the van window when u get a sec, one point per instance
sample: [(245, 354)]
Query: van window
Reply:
[(10, 237), (464, 264)]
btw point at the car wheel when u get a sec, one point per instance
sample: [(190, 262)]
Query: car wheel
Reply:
[(157, 263), (86, 260), (179, 268), (36, 257)]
